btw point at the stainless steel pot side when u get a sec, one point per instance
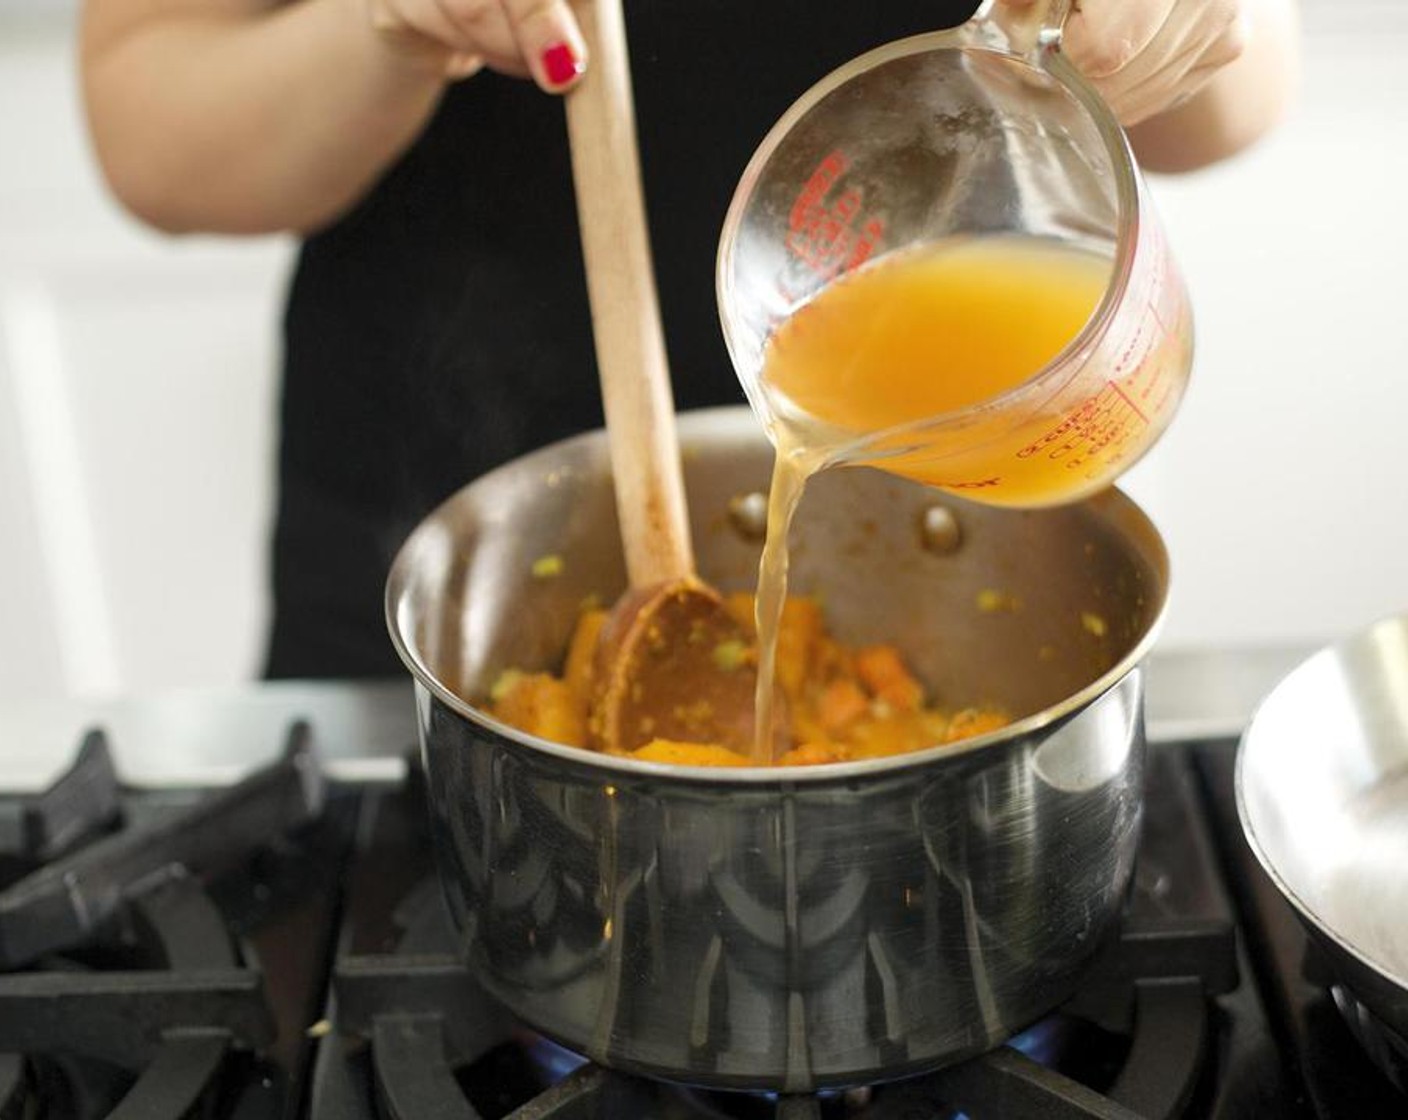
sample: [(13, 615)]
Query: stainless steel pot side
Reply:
[(1322, 790), (804, 928)]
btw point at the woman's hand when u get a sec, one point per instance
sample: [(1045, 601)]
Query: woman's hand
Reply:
[(525, 38), (1148, 56), (1194, 81)]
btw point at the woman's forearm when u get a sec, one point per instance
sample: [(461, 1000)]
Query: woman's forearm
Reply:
[(1240, 103), (247, 118)]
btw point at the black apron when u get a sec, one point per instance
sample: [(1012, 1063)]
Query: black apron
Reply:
[(441, 328)]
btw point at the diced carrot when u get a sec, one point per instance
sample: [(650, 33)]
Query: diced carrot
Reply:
[(840, 704), (878, 665), (903, 694), (882, 671)]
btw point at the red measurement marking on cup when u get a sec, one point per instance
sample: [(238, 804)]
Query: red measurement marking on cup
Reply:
[(1159, 319), (973, 484), (828, 230), (1126, 398), (1098, 423)]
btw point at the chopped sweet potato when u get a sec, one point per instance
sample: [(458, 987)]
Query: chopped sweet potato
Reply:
[(840, 704), (883, 673), (844, 703), (903, 694), (805, 724), (878, 665), (974, 721), (812, 754), (581, 654), (797, 636), (890, 734), (688, 754), (796, 644), (543, 705), (832, 659)]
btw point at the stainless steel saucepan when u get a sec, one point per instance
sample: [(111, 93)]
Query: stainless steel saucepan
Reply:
[(1322, 790), (808, 927)]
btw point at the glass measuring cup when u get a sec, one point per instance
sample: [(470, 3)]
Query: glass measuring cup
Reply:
[(984, 131)]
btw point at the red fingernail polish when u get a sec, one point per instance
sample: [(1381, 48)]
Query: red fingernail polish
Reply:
[(560, 64)]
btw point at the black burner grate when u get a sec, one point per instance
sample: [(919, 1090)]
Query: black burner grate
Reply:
[(130, 992), (79, 804)]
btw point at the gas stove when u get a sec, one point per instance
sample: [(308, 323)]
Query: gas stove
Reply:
[(277, 946)]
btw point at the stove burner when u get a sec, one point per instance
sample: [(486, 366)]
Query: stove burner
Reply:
[(1004, 1084), (553, 1063), (67, 900), (135, 1000), (425, 1020), (1011, 1085), (82, 800), (174, 1026), (1044, 1042)]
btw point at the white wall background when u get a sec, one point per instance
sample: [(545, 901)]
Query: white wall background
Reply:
[(136, 387), (136, 395), (1282, 486)]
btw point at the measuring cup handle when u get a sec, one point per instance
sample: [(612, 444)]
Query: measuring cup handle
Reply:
[(1034, 27)]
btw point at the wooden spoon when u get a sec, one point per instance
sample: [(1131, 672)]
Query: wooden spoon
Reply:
[(668, 663)]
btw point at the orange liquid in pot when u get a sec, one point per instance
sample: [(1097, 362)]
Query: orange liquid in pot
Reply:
[(914, 336)]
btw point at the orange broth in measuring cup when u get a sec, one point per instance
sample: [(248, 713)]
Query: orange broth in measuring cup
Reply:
[(926, 332), (921, 333)]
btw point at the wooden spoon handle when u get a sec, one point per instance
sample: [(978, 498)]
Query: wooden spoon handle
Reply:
[(630, 344)]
